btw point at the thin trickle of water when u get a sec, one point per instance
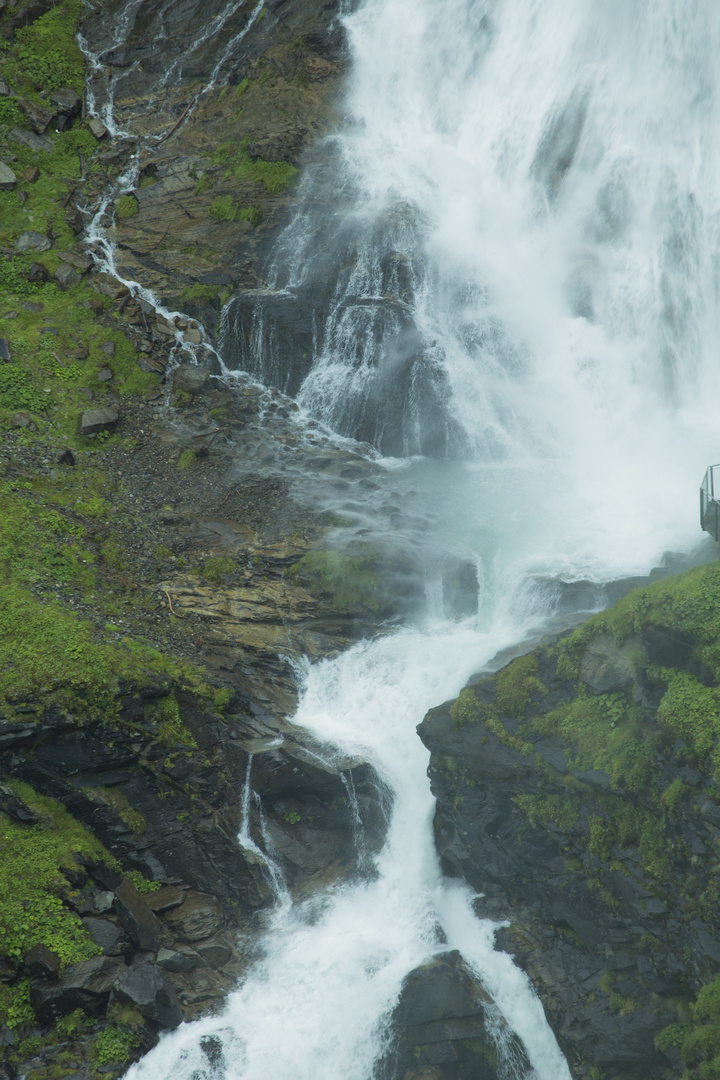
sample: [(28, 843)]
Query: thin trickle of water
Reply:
[(268, 864)]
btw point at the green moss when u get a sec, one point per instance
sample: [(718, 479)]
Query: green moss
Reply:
[(214, 569), (171, 729), (204, 184), (126, 206), (516, 684), (558, 810), (114, 798), (609, 733), (186, 459), (698, 1037), (33, 861), (202, 293), (466, 709), (225, 208), (351, 582), (46, 54), (222, 698), (691, 712)]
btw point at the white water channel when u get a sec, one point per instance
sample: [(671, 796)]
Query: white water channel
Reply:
[(564, 158)]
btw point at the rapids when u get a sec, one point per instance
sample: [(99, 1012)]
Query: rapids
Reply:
[(513, 259)]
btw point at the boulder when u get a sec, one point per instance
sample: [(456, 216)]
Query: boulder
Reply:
[(67, 102), (108, 286), (445, 1020), (22, 420), (83, 986), (148, 989), (92, 421), (176, 961), (38, 117), (32, 241), (83, 263), (97, 127), (66, 276), (607, 667), (37, 143), (165, 899), (31, 175), (8, 179), (108, 936), (5, 355), (138, 920), (105, 374), (41, 962), (214, 952), (199, 916), (38, 272), (189, 378)]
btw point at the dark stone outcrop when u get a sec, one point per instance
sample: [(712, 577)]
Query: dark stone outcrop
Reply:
[(137, 919), (612, 937), (83, 986), (441, 1029), (147, 988)]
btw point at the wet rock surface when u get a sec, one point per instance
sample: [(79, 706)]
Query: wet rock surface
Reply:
[(446, 1027), (602, 921)]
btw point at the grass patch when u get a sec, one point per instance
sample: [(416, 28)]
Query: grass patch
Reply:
[(225, 208), (171, 729)]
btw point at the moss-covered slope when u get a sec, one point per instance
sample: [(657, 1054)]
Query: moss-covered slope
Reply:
[(578, 791)]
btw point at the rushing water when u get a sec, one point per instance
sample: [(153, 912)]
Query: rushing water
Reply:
[(522, 239)]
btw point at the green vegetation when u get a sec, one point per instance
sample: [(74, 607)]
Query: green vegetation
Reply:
[(550, 810), (225, 208), (45, 55), (114, 1045), (114, 798), (352, 582), (204, 184), (170, 727), (215, 568), (698, 1037), (275, 176), (186, 459), (127, 206), (516, 684), (202, 293), (466, 709)]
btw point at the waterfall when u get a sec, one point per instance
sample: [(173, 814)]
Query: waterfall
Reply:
[(503, 273)]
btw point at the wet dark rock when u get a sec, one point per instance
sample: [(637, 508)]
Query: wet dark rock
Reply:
[(165, 899), (175, 961), (137, 919), (214, 953), (148, 989), (41, 962), (440, 1027), (92, 421), (189, 378), (5, 354), (83, 986), (199, 916), (108, 936)]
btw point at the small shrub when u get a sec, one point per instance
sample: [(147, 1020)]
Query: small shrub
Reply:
[(465, 709)]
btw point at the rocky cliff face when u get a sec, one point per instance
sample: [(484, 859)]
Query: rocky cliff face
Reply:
[(577, 793)]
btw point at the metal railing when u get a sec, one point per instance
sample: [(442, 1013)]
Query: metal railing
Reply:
[(709, 505)]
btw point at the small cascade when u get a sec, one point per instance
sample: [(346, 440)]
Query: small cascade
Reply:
[(269, 866)]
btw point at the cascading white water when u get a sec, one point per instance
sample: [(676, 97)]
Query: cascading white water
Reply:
[(561, 160)]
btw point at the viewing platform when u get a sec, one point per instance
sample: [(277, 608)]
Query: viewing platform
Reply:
[(709, 504)]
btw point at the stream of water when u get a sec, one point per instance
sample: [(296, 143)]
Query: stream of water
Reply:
[(526, 207)]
